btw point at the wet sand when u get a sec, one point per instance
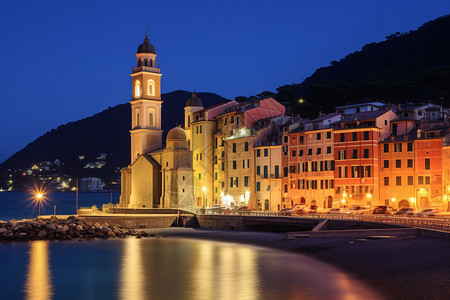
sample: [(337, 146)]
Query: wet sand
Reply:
[(396, 268)]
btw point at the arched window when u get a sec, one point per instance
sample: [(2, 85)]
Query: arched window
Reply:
[(137, 116), (150, 63), (150, 118), (137, 89), (151, 88), (145, 62), (139, 62), (189, 121)]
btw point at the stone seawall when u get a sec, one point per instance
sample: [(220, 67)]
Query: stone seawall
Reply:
[(162, 221)]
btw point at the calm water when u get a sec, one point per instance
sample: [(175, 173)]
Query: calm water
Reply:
[(18, 205), (166, 269)]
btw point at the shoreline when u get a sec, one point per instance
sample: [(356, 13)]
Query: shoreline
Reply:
[(396, 268)]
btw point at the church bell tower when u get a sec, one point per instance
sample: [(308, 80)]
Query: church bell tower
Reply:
[(146, 133)]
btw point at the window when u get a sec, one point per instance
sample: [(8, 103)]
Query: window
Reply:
[(355, 171), (234, 147), (318, 136), (277, 171), (225, 121), (231, 181), (223, 166), (234, 165), (355, 136), (137, 89), (355, 153), (329, 135), (342, 154), (292, 169), (309, 151), (237, 121), (319, 151), (243, 164), (410, 180), (427, 163), (215, 159), (258, 152), (199, 176), (246, 181), (329, 149), (258, 186), (294, 153), (386, 181), (366, 135), (200, 128), (367, 172), (200, 156), (137, 116), (410, 163), (300, 153), (285, 188), (398, 163), (246, 146), (266, 171), (150, 118), (301, 139), (232, 119), (427, 179), (385, 122), (236, 182), (398, 180), (342, 137), (366, 153), (398, 147), (150, 87), (386, 164), (420, 179), (285, 138), (285, 171), (266, 152), (410, 147), (215, 176), (386, 148), (258, 170)]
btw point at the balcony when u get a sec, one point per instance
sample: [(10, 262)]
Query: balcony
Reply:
[(145, 69)]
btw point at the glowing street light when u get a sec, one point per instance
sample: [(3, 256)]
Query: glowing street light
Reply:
[(39, 197)]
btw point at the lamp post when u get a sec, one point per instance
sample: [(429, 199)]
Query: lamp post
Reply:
[(39, 197)]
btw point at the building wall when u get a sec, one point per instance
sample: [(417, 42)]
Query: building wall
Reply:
[(268, 186)]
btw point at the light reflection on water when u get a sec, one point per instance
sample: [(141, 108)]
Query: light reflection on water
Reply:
[(180, 269), (39, 278)]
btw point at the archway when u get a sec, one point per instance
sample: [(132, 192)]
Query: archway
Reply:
[(403, 203), (313, 203), (329, 202), (266, 204), (302, 200), (424, 203)]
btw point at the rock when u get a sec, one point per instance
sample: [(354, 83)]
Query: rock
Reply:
[(139, 237), (97, 225), (79, 228), (2, 230), (22, 235), (65, 227), (106, 229), (72, 225), (10, 224), (49, 226), (42, 234), (111, 234)]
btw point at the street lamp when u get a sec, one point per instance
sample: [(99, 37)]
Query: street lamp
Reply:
[(39, 197)]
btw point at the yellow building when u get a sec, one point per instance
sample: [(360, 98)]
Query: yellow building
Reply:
[(268, 177), (156, 177)]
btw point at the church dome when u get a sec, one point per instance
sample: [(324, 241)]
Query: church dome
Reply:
[(176, 133), (194, 101), (146, 47)]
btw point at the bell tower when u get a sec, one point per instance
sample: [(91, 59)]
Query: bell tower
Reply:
[(146, 133)]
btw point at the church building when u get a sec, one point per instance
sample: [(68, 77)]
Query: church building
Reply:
[(157, 177)]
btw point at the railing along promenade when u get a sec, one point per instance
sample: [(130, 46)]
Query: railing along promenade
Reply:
[(436, 223)]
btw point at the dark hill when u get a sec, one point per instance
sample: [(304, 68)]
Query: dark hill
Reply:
[(105, 132), (406, 67)]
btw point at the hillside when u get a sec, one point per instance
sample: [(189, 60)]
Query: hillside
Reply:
[(105, 132), (406, 67)]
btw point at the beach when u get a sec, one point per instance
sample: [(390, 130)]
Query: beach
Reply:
[(408, 267)]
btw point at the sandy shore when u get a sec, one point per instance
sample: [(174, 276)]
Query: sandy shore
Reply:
[(396, 268)]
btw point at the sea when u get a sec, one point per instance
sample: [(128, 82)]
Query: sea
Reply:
[(156, 268)]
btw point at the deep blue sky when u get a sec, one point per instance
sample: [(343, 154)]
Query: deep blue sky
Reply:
[(61, 61)]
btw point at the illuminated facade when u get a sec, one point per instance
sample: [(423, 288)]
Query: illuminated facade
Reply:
[(156, 177)]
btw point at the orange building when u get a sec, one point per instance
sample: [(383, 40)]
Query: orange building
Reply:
[(411, 170), (357, 156)]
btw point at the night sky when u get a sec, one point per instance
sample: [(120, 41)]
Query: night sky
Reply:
[(61, 61)]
